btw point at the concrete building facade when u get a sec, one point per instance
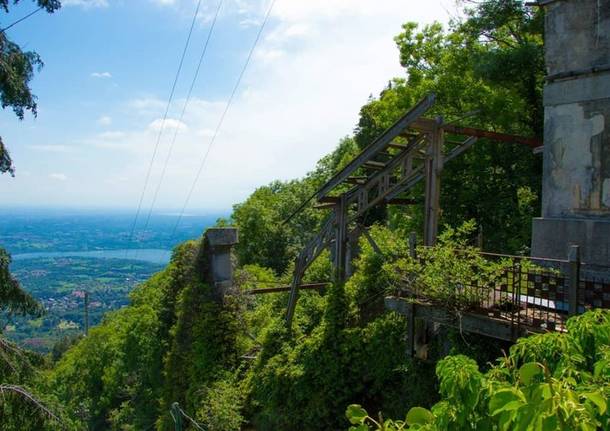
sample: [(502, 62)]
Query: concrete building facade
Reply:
[(576, 178)]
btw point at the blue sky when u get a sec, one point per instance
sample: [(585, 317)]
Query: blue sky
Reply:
[(109, 65)]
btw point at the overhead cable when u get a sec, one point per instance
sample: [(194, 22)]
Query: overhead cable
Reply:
[(184, 107), (222, 117), (162, 125)]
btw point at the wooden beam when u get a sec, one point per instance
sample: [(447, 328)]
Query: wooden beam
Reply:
[(394, 201), (324, 206), (424, 125), (374, 165), (417, 175), (379, 144), (356, 180), (402, 201), (382, 176), (502, 137), (329, 200), (310, 286)]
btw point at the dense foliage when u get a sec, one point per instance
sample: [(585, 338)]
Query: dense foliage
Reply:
[(21, 407), (547, 382), (269, 236), (487, 71), (234, 364), (13, 299)]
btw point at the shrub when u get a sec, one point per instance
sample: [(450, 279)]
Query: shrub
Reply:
[(547, 382)]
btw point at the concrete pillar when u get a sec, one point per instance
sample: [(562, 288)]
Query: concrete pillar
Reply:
[(218, 243), (576, 174)]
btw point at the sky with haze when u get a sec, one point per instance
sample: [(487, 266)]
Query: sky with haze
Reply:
[(109, 67)]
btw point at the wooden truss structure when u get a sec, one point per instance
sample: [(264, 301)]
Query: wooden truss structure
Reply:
[(410, 151)]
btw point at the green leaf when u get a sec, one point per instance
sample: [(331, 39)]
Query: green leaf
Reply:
[(419, 416), (550, 423), (356, 414), (528, 371), (503, 398), (597, 399)]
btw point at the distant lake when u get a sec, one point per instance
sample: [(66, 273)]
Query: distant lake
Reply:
[(152, 255)]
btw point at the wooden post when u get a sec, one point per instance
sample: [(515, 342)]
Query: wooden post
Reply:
[(574, 278), (411, 330), (86, 313), (413, 245), (480, 238), (294, 293), (432, 169), (340, 240)]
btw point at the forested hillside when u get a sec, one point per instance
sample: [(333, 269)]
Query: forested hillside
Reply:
[(234, 366)]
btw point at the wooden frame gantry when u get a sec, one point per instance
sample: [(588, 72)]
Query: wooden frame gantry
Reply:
[(411, 150)]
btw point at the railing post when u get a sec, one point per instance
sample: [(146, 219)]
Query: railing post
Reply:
[(413, 245), (574, 278), (410, 330), (177, 416)]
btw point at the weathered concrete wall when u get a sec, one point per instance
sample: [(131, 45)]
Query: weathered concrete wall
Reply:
[(552, 237), (577, 110), (576, 177), (577, 35), (577, 159)]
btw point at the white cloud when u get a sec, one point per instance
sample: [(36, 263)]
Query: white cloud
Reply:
[(249, 22), (146, 106), (112, 135), (168, 124), (297, 30), (206, 133), (164, 2), (50, 148), (58, 176), (85, 3), (101, 75), (315, 66), (104, 120), (268, 55)]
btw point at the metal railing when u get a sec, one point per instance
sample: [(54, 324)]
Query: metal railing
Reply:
[(534, 294)]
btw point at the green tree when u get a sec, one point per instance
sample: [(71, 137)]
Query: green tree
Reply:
[(487, 72), (13, 299), (20, 406), (17, 69), (269, 236)]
